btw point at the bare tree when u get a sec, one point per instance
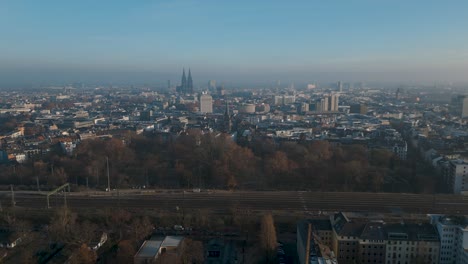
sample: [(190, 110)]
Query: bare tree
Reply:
[(192, 251), (268, 236), (118, 220), (125, 252), (62, 225), (84, 255), (85, 232), (140, 228)]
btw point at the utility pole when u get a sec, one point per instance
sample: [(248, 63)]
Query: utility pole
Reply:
[(118, 199), (65, 198), (108, 177), (13, 203), (37, 181), (97, 177), (146, 178)]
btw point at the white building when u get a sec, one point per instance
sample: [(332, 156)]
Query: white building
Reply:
[(448, 230), (453, 235), (284, 99), (289, 99), (206, 103), (334, 102), (151, 250), (460, 106), (458, 176), (462, 246)]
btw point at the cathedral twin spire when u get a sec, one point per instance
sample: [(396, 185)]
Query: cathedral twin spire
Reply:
[(186, 85)]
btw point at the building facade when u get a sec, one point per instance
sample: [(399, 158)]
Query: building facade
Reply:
[(363, 241), (313, 242), (458, 176), (206, 103), (460, 106)]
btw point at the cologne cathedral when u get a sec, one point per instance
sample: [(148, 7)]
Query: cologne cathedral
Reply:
[(186, 85)]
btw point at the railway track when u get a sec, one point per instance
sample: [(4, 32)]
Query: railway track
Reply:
[(260, 201)]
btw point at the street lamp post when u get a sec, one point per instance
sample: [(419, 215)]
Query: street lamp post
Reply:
[(108, 177)]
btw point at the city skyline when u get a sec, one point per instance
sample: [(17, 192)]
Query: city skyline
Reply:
[(150, 42)]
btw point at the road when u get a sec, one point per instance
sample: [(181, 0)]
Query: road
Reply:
[(244, 201)]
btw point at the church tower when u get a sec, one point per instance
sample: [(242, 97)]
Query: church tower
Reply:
[(183, 85), (189, 83)]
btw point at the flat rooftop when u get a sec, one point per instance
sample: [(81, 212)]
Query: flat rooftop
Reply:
[(172, 241), (149, 249)]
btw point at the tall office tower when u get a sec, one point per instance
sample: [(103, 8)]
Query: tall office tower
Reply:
[(317, 107), (206, 103), (168, 84), (189, 83), (333, 102), (220, 90), (212, 84), (339, 85), (227, 119), (460, 106), (358, 109), (360, 85), (324, 104), (278, 84)]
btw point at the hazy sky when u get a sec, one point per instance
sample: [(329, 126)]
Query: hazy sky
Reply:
[(89, 40)]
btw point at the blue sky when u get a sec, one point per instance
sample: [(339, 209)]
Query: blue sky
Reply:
[(414, 39)]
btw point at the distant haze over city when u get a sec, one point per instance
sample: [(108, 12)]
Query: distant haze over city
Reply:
[(149, 42)]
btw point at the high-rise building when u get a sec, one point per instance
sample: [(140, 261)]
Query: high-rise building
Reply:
[(452, 232), (212, 84), (227, 122), (358, 109), (460, 106), (339, 86), (332, 102), (304, 108), (333, 105), (206, 103), (220, 90), (458, 176), (324, 102), (146, 115)]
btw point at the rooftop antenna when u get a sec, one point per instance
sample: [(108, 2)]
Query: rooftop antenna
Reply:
[(13, 203)]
